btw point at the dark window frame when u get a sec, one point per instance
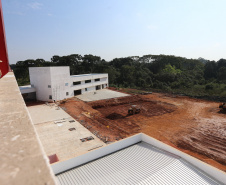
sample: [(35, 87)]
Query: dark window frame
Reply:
[(76, 92), (77, 83), (87, 81)]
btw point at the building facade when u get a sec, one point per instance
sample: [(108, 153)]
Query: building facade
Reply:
[(55, 83)]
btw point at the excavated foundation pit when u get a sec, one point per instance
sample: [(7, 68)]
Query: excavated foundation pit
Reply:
[(118, 108), (182, 122), (114, 115)]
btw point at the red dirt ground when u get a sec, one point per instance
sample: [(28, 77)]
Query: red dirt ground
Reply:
[(192, 126)]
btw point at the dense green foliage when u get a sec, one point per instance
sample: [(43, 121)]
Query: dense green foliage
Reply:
[(163, 72)]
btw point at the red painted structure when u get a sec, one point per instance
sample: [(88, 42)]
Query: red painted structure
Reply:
[(4, 62), (53, 158)]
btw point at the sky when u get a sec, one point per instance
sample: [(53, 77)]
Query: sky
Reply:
[(115, 28)]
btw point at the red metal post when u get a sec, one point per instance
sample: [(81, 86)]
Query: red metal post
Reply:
[(4, 62)]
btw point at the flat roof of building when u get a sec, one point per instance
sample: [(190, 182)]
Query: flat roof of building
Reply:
[(49, 66), (53, 126), (92, 74), (101, 94)]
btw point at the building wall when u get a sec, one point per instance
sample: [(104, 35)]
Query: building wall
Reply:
[(60, 82), (40, 78), (57, 82), (88, 89), (90, 86)]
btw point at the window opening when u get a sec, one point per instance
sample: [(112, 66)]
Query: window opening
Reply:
[(87, 81), (76, 83)]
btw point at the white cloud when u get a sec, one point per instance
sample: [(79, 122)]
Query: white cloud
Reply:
[(35, 5), (49, 14)]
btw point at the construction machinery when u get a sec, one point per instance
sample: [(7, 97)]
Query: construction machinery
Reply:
[(134, 109), (222, 106)]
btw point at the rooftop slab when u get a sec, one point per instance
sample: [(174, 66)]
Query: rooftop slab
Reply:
[(57, 139), (22, 158), (52, 125), (100, 95), (91, 74), (46, 113)]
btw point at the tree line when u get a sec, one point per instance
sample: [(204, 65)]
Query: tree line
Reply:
[(150, 72)]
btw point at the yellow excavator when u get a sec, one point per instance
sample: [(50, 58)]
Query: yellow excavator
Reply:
[(134, 109), (222, 106)]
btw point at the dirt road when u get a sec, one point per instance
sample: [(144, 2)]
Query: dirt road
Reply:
[(193, 126)]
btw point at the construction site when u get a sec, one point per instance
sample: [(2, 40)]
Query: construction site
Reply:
[(196, 127)]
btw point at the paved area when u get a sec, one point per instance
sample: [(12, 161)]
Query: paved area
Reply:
[(46, 113), (52, 125), (100, 95), (57, 139)]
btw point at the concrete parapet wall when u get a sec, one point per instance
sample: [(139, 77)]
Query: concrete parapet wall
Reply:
[(22, 158)]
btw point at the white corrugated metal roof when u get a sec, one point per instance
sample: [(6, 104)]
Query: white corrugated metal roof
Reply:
[(141, 163)]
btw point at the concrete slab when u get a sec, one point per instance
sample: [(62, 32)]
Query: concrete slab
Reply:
[(100, 95), (46, 113), (52, 125), (22, 157), (57, 139)]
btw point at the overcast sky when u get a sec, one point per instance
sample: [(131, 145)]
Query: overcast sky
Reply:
[(115, 28)]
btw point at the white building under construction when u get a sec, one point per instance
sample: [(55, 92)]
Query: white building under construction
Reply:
[(56, 83)]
